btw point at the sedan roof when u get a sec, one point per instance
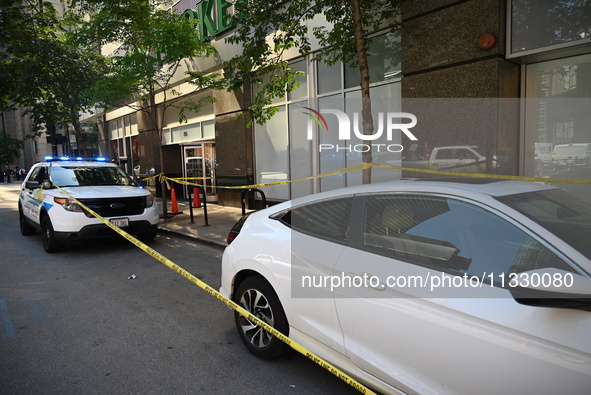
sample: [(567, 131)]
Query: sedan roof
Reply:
[(486, 186)]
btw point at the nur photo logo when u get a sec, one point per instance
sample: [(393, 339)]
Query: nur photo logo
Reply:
[(316, 116), (387, 123)]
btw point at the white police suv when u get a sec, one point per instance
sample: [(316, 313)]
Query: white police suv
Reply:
[(99, 185)]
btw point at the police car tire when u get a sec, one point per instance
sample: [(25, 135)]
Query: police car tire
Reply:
[(50, 244), (26, 228), (149, 236)]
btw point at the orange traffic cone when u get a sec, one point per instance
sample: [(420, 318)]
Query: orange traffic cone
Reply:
[(175, 204), (196, 198)]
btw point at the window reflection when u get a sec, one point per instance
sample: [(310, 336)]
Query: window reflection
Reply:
[(541, 23), (558, 121)]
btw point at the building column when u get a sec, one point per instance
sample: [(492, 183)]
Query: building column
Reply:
[(456, 50)]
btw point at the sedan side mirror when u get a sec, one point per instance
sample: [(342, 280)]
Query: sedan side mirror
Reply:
[(551, 287)]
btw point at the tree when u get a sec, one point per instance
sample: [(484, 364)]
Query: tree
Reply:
[(153, 42), (269, 28), (46, 70), (10, 149)]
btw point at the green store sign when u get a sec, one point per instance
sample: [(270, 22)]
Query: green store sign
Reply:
[(215, 17)]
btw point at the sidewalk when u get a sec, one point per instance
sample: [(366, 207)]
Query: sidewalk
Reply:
[(220, 219)]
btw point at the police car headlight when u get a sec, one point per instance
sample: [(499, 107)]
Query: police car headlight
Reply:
[(149, 201), (68, 204)]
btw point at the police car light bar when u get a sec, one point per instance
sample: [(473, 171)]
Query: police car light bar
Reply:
[(78, 158)]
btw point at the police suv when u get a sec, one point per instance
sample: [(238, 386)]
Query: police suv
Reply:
[(99, 185)]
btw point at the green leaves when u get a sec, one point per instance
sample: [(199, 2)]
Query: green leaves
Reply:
[(270, 32), (10, 149), (45, 69), (152, 44)]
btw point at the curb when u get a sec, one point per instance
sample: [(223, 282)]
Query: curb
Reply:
[(199, 240)]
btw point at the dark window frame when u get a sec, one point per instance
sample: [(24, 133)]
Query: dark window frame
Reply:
[(280, 216), (357, 223)]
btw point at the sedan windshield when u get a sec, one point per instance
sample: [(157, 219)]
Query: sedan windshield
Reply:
[(88, 176), (561, 212)]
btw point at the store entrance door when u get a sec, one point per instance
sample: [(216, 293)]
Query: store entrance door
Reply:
[(199, 160)]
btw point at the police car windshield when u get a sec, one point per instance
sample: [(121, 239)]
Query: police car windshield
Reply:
[(64, 176)]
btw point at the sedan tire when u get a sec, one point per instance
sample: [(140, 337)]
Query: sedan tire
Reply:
[(257, 296)]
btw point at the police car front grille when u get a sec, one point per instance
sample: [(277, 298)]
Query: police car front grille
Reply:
[(116, 207)]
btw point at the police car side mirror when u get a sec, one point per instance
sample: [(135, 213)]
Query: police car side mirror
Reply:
[(32, 185)]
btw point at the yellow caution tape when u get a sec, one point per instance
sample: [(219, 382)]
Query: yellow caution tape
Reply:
[(372, 165), (485, 175), (162, 259)]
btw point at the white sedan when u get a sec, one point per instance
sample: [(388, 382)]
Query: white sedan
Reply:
[(425, 286)]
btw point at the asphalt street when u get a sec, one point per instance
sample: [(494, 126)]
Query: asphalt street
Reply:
[(74, 322)]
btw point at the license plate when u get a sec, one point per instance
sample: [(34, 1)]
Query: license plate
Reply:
[(120, 222)]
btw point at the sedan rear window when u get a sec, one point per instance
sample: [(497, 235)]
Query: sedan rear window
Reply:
[(327, 219)]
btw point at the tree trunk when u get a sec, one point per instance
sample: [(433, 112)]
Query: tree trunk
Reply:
[(366, 115), (163, 183), (81, 144), (153, 116)]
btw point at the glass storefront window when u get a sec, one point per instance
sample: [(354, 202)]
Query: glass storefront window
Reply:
[(282, 149), (186, 133), (300, 150), (384, 98), (330, 160), (123, 127), (272, 155), (384, 61), (329, 77), (193, 132), (120, 128), (127, 126), (543, 23), (166, 136), (258, 87), (558, 120), (301, 92), (208, 130), (113, 130)]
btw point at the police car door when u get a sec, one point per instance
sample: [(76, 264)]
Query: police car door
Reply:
[(30, 192)]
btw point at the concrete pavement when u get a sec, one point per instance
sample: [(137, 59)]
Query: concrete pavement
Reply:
[(220, 219)]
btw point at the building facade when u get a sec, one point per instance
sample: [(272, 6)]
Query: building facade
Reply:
[(508, 77)]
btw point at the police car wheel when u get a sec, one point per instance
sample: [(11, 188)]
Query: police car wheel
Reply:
[(149, 236), (26, 228), (50, 244)]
